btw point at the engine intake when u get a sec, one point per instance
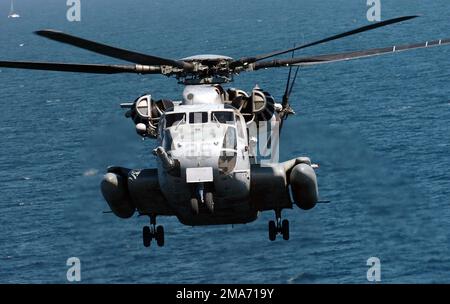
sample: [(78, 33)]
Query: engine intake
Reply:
[(115, 192)]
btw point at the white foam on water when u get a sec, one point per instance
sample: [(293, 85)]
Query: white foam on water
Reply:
[(90, 172)]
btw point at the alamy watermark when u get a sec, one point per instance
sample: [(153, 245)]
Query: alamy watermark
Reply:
[(224, 139), (374, 11), (73, 11), (374, 271), (73, 274)]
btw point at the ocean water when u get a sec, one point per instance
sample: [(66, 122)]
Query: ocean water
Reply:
[(379, 128)]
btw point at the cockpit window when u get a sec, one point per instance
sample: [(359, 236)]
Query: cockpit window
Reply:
[(223, 117), (175, 119), (198, 117)]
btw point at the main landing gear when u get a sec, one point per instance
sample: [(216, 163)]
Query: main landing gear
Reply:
[(278, 227), (153, 232)]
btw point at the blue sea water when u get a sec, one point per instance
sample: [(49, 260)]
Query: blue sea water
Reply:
[(379, 128)]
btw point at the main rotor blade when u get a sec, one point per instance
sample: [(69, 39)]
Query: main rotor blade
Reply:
[(247, 60), (81, 68), (111, 51), (320, 59)]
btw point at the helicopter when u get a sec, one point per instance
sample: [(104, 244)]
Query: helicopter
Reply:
[(217, 147)]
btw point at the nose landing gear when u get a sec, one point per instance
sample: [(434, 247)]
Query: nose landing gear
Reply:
[(201, 197), (278, 227), (153, 232), (194, 206), (209, 201)]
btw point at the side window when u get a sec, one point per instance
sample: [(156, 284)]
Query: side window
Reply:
[(239, 127), (198, 117)]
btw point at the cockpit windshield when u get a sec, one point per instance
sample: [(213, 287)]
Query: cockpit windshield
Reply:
[(198, 117), (175, 119), (224, 117), (219, 117)]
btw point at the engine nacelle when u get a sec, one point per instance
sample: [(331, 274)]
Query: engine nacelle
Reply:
[(260, 104), (114, 190), (268, 188), (304, 187)]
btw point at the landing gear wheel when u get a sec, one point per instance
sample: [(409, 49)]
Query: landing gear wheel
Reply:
[(278, 227), (159, 236), (146, 236), (285, 229), (272, 231), (153, 232), (194, 206), (209, 201)]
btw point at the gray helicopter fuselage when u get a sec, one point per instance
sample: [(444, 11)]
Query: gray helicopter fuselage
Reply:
[(205, 146), (206, 153), (208, 171)]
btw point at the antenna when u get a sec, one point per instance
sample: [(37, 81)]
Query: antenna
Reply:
[(286, 108), (286, 91)]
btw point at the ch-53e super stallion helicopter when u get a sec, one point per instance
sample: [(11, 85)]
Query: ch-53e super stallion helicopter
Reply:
[(208, 172)]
